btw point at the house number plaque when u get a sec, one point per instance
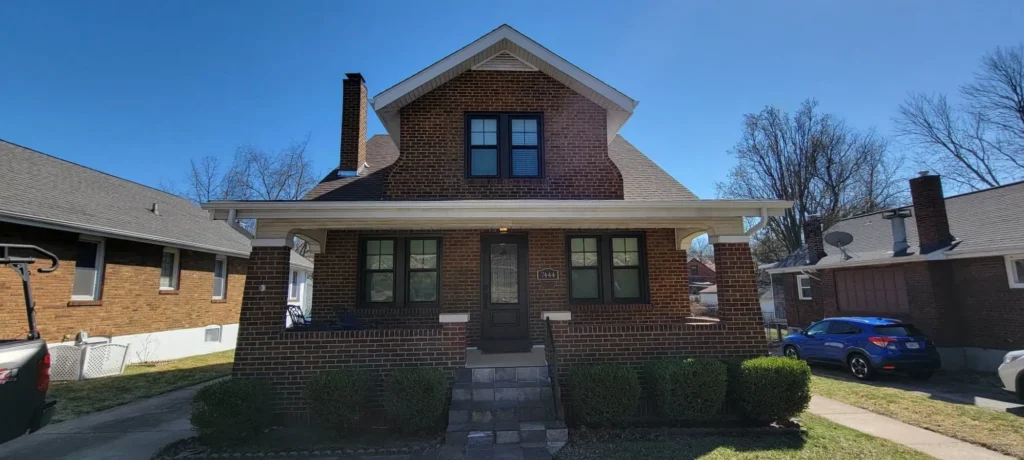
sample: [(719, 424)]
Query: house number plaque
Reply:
[(547, 274)]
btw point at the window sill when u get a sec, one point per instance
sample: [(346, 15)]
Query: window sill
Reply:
[(168, 292), (218, 300), (85, 303)]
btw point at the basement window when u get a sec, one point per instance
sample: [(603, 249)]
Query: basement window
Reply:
[(213, 334), (1015, 271), (803, 287), (504, 145)]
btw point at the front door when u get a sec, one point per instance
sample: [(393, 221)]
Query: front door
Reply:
[(504, 274)]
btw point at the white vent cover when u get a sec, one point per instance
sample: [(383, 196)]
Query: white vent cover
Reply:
[(505, 61)]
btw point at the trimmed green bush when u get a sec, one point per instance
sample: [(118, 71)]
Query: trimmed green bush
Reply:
[(774, 388), (339, 400), (603, 394), (232, 410), (415, 399), (688, 389)]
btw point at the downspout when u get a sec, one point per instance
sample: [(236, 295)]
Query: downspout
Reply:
[(759, 225), (233, 223)]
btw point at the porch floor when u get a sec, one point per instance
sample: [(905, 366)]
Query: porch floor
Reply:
[(533, 358)]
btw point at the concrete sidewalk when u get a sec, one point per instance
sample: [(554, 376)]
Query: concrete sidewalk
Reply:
[(929, 442), (131, 432)]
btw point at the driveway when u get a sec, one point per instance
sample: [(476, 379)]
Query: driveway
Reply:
[(131, 432), (968, 388)]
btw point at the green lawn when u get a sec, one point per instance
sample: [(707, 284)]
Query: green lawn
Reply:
[(824, 439), (999, 431), (137, 382)]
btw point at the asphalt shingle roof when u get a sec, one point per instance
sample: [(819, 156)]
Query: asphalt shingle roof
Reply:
[(984, 220), (37, 187), (642, 179)]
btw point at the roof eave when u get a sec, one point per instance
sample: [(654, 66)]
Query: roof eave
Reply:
[(386, 107)]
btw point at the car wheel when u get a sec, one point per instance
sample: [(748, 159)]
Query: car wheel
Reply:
[(791, 352), (860, 367), (921, 375)]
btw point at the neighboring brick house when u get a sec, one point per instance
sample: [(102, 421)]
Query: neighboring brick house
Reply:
[(501, 196), (953, 266), (138, 265), (701, 275)]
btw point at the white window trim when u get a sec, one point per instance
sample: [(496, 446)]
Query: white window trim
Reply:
[(224, 280), (101, 249), (294, 288), (799, 287), (174, 271), (1011, 275)]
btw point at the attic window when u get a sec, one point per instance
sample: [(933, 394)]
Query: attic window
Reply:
[(504, 145)]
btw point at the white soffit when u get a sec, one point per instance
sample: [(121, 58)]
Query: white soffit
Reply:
[(480, 54)]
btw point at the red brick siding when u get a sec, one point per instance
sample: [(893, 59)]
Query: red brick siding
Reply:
[(432, 161), (353, 123), (800, 313), (965, 302), (993, 312), (704, 274), (740, 334), (131, 302), (335, 281), (289, 359)]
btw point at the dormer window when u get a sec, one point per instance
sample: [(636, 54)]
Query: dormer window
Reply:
[(504, 145)]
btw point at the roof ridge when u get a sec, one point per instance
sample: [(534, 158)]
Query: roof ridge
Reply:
[(97, 171), (911, 205)]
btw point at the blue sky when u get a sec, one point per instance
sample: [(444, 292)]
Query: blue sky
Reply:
[(135, 89)]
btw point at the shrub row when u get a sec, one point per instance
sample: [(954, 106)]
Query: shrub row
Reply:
[(233, 410), (761, 390)]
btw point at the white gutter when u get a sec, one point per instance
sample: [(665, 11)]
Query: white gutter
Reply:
[(498, 213), (759, 225)]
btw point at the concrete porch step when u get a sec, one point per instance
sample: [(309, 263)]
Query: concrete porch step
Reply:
[(496, 375), (506, 433)]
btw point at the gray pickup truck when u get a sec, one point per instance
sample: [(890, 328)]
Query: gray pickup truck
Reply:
[(24, 363)]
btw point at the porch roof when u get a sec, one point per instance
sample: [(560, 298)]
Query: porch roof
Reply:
[(718, 217)]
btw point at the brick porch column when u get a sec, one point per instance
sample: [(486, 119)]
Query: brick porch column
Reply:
[(738, 303), (264, 302)]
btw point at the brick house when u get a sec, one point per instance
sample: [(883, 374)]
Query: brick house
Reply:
[(701, 275), (138, 265), (953, 266), (501, 201)]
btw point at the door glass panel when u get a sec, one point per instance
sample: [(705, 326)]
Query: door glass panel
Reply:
[(504, 273)]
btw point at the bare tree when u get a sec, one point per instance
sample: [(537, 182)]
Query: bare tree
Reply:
[(254, 174), (818, 162), (980, 143), (701, 250)]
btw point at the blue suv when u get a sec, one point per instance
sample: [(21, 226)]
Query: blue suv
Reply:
[(866, 346)]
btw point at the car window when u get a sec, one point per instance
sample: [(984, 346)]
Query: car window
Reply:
[(843, 327), (818, 328), (898, 330)]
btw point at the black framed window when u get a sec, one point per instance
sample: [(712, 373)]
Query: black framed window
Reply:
[(607, 268), (693, 270), (400, 271), (504, 145), (379, 274)]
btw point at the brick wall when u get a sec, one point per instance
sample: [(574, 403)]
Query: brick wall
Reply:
[(131, 301), (287, 359), (965, 302), (432, 160), (740, 334), (335, 282), (801, 313), (704, 274)]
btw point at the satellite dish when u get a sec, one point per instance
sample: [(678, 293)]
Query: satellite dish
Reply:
[(840, 240)]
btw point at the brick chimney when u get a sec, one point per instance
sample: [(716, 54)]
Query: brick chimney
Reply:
[(930, 212), (812, 239), (353, 124)]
